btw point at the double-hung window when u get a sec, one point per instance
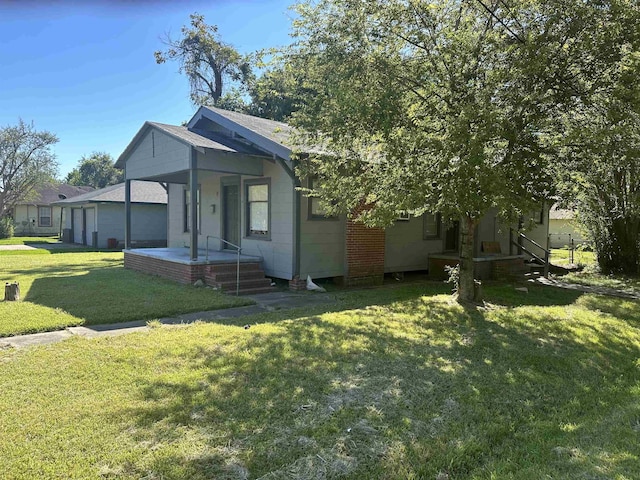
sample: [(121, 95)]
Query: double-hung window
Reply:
[(44, 217), (258, 197), (432, 225)]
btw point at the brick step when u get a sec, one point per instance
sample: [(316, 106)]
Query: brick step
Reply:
[(231, 286), (231, 267), (252, 291), (231, 277)]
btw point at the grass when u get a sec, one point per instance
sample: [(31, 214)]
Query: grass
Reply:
[(595, 279), (89, 288), (27, 240), (394, 383), (562, 256)]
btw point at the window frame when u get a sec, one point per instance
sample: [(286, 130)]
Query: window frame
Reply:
[(311, 200), (40, 223), (186, 210), (247, 210), (438, 221)]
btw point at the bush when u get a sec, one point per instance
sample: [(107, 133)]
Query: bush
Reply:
[(6, 227)]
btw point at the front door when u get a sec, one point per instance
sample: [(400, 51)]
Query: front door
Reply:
[(231, 213), (77, 226)]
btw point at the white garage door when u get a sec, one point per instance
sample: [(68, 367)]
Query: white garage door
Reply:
[(90, 225), (77, 225)]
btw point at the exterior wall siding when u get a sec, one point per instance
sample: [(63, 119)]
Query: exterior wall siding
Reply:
[(25, 220), (157, 154), (322, 245), (148, 223), (405, 247)]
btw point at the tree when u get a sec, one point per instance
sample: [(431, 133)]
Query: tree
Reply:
[(208, 62), (600, 172), (276, 94), (426, 107), (26, 161), (97, 170)]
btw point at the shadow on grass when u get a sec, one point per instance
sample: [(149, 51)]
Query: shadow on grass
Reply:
[(410, 387), (111, 294)]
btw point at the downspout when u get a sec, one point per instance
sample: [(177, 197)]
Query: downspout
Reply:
[(296, 214)]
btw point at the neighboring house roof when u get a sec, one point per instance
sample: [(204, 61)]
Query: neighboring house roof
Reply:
[(51, 194), (561, 213), (141, 192)]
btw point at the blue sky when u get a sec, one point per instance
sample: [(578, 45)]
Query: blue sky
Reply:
[(86, 71)]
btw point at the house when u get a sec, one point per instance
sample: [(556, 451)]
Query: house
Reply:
[(233, 198), (38, 217), (563, 228), (97, 218)]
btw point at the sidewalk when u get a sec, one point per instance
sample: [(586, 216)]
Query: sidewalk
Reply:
[(265, 302)]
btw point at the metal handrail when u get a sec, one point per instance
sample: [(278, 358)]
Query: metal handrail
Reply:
[(237, 247), (547, 253)]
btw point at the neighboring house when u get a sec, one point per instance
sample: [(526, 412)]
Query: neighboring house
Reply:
[(563, 228), (239, 170), (97, 218), (38, 217)]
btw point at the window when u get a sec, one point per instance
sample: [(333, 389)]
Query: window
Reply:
[(187, 209), (431, 227), (44, 217), (258, 208), (316, 209), (404, 216)]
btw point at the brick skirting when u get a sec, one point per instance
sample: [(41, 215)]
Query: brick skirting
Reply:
[(179, 272)]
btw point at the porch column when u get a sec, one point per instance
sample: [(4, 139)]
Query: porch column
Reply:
[(127, 214), (193, 206)]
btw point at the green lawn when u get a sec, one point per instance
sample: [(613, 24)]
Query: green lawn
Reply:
[(562, 256), (71, 288), (394, 383), (26, 240)]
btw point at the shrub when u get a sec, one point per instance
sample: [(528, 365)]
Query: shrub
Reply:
[(6, 227)]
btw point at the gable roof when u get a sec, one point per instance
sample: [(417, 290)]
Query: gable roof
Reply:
[(51, 193), (269, 135), (141, 192), (193, 137)]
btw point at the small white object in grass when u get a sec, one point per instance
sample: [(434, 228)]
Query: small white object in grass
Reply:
[(198, 283), (247, 327), (522, 289), (312, 286)]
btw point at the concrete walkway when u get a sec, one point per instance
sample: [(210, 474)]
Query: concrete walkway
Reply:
[(265, 302)]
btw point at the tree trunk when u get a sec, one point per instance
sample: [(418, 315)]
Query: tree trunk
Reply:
[(11, 292), (466, 283)]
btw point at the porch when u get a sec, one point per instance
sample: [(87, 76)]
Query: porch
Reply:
[(495, 267), (227, 271)]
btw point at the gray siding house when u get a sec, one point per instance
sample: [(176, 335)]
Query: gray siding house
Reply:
[(97, 218), (239, 170)]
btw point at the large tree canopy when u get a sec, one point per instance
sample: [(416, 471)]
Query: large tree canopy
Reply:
[(26, 161), (427, 106), (600, 172), (97, 170), (206, 60)]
